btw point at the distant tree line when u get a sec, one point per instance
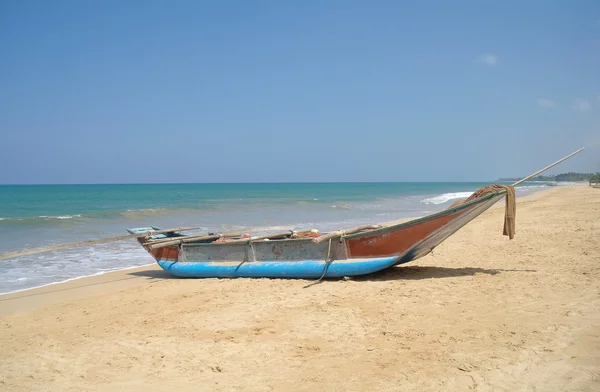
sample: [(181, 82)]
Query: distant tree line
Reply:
[(563, 177), (595, 179)]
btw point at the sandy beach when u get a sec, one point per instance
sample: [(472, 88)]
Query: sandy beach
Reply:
[(481, 313)]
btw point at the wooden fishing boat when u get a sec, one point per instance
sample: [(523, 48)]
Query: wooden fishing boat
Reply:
[(291, 254), (310, 254)]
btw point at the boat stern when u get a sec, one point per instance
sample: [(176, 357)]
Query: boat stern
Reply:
[(142, 230), (166, 253)]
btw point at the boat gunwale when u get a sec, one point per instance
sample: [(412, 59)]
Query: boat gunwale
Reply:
[(416, 221), (369, 233)]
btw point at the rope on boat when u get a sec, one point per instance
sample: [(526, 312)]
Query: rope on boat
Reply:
[(253, 255), (180, 254), (510, 209), (329, 260), (253, 251)]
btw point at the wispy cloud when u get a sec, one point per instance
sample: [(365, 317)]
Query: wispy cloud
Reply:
[(581, 105), (546, 103), (488, 59)]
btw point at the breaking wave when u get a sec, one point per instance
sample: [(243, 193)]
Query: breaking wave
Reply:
[(343, 206), (62, 217), (446, 197), (40, 218), (94, 215)]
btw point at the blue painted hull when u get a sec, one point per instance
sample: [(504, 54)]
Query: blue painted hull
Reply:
[(306, 269)]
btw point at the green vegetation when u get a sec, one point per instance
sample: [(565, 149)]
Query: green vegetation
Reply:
[(595, 179), (574, 177)]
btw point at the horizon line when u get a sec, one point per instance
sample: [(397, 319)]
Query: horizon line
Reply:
[(262, 182)]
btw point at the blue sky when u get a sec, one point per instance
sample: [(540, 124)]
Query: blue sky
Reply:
[(236, 91)]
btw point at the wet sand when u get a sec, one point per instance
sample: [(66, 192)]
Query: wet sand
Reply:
[(480, 313)]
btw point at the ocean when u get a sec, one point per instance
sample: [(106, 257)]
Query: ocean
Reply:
[(42, 215)]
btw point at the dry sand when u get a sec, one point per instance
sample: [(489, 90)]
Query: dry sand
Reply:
[(482, 313)]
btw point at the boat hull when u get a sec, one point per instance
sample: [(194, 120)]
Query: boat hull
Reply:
[(303, 269), (348, 255)]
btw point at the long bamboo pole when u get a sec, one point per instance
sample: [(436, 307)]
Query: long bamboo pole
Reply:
[(198, 237), (339, 233), (272, 236), (208, 236), (183, 240), (548, 167), (42, 249)]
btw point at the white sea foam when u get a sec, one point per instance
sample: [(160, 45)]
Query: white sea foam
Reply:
[(343, 207), (367, 206), (60, 216), (27, 272), (263, 229), (102, 272), (446, 197), (532, 186)]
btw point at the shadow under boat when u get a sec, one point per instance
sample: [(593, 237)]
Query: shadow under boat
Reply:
[(154, 274), (431, 272), (392, 273)]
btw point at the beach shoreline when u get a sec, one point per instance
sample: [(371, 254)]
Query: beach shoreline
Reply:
[(24, 301), (127, 277)]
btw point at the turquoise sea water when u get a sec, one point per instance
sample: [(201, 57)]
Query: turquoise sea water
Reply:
[(40, 215)]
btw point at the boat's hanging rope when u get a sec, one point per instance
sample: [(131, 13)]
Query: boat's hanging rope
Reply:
[(253, 251), (180, 255), (510, 210), (253, 255), (329, 260)]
